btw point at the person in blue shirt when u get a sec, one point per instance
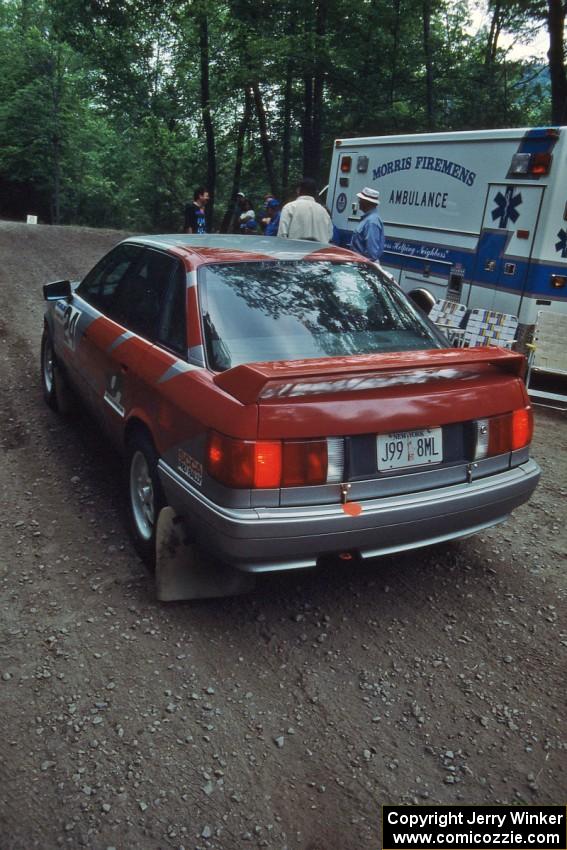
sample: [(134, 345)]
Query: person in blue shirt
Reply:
[(274, 211), (368, 238)]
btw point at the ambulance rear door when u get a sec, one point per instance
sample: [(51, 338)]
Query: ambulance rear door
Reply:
[(505, 246)]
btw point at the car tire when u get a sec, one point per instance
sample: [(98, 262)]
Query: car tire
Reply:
[(57, 392), (48, 371), (144, 494)]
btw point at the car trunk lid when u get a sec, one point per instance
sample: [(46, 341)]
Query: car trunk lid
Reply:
[(378, 393)]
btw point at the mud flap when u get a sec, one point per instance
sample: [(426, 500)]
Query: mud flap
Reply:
[(183, 572), (63, 393)]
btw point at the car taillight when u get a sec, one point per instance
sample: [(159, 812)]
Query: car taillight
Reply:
[(522, 428), (304, 463), (501, 434), (265, 464), (242, 463), (346, 164)]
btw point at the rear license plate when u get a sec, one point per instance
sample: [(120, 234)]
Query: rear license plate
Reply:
[(409, 448)]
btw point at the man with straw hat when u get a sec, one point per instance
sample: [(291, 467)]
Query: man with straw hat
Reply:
[(368, 238)]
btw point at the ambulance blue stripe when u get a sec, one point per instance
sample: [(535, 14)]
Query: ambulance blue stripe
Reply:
[(537, 274)]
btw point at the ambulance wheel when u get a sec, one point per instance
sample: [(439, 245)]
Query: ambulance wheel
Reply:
[(145, 494), (423, 299)]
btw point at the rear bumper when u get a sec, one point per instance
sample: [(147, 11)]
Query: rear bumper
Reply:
[(272, 539)]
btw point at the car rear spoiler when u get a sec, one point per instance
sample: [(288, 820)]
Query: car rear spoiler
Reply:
[(254, 382)]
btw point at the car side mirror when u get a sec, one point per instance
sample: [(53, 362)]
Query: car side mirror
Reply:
[(57, 290)]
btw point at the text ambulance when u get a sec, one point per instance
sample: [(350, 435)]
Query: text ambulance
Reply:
[(478, 217)]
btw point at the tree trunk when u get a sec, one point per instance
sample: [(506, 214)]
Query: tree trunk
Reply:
[(228, 220), (314, 86), (207, 119), (56, 85), (56, 215), (286, 139), (265, 139), (493, 36), (307, 127), (555, 23), (24, 15), (428, 63), (395, 52), (319, 86), (291, 33)]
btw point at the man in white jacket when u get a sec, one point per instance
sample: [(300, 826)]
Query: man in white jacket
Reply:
[(305, 218)]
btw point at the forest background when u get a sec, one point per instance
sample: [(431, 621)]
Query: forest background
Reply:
[(113, 111)]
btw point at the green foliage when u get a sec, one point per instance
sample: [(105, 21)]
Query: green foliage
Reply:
[(101, 112)]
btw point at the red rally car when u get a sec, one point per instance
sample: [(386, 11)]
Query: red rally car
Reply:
[(278, 401)]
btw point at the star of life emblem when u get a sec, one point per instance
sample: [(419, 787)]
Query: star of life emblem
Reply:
[(506, 207), (561, 245)]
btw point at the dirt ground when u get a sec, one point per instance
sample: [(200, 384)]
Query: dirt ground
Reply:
[(283, 719)]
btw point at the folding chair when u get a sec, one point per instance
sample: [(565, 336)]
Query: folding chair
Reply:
[(487, 327), (448, 316), (548, 356)]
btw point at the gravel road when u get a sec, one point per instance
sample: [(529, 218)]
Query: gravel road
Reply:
[(283, 719)]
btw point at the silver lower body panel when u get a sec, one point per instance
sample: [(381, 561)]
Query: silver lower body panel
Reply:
[(286, 538)]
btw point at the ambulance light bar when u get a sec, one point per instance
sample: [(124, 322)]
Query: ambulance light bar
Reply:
[(534, 164)]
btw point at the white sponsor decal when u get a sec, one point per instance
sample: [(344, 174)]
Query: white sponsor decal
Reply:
[(189, 467), (113, 394), (425, 252), (69, 317)]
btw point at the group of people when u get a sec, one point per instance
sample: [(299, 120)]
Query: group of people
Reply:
[(303, 218), (245, 217)]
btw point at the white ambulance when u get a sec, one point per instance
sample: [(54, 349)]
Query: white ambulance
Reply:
[(478, 217)]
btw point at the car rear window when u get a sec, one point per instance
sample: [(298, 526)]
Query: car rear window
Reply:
[(263, 311)]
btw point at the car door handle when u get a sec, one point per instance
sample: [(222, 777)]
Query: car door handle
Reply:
[(123, 367)]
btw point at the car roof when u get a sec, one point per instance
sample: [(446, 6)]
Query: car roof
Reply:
[(214, 248)]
